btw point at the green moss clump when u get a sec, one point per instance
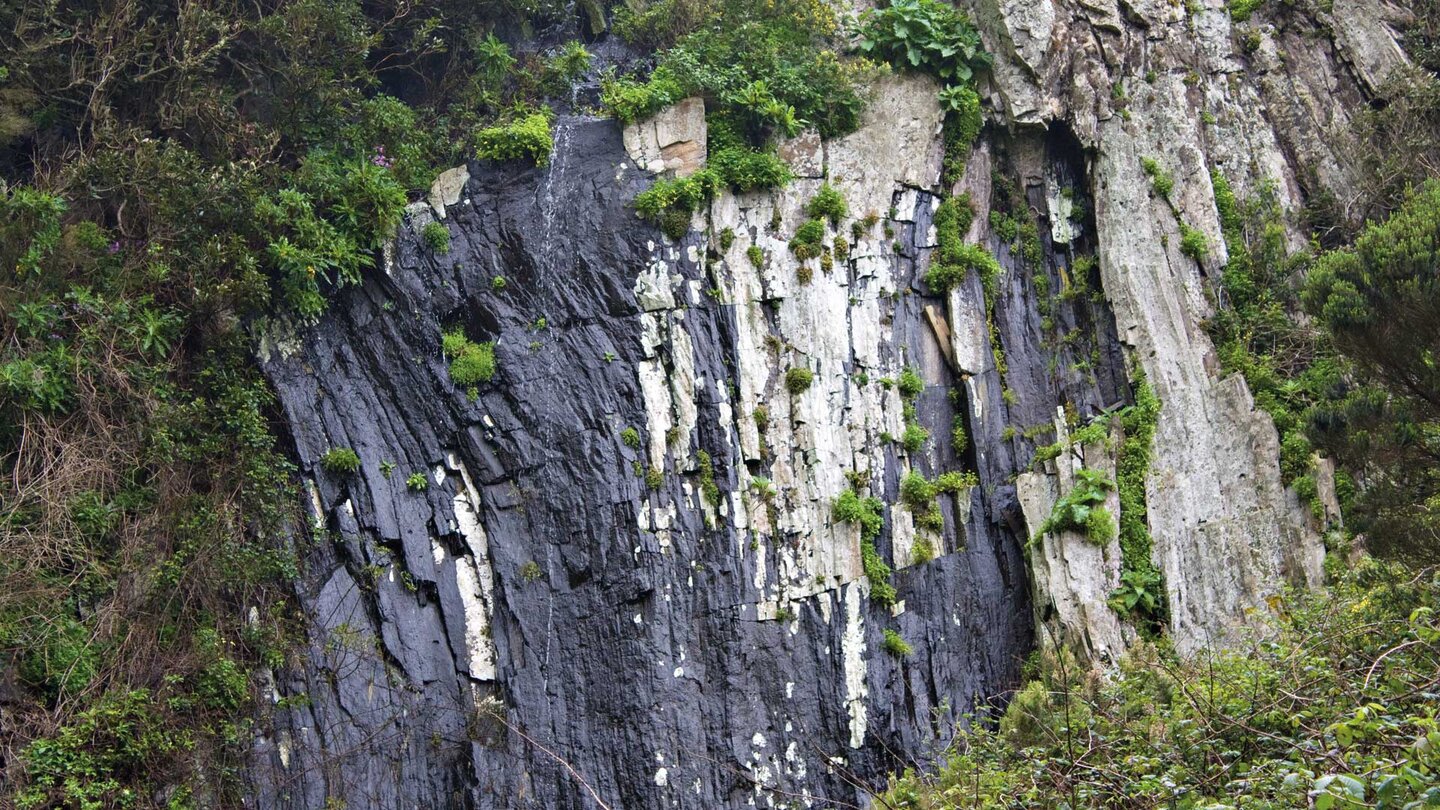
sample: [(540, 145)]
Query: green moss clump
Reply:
[(525, 137), (864, 512), (914, 437), (630, 437), (828, 204), (756, 256), (708, 487), (340, 460), (470, 363), (953, 258), (1160, 180), (878, 573), (436, 237), (1192, 242), (895, 645), (806, 242), (799, 380), (910, 383), (654, 477)]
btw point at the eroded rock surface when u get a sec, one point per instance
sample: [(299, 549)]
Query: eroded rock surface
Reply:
[(564, 618)]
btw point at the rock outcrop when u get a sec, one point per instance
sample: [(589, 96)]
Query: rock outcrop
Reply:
[(619, 580)]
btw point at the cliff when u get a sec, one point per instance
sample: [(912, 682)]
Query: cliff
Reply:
[(565, 613)]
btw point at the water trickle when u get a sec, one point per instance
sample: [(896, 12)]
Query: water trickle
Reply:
[(549, 203)]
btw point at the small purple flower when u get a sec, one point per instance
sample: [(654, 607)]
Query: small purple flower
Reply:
[(380, 159), (113, 248)]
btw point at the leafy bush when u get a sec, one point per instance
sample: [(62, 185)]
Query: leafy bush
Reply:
[(340, 460), (417, 482), (910, 384), (929, 36), (669, 203), (953, 259), (1075, 511), (630, 437), (864, 512), (708, 487), (1330, 708), (1380, 303), (631, 101), (525, 137), (763, 68), (1240, 10), (436, 237)]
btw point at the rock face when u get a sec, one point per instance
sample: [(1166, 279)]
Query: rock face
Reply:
[(614, 577)]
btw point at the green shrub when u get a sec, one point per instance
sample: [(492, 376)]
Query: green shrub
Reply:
[(910, 384), (436, 237), (531, 571), (340, 460), (630, 437), (863, 512), (498, 284), (417, 482), (1074, 511), (708, 487), (953, 259), (959, 439), (654, 477), (808, 237), (828, 203), (525, 137), (895, 645), (631, 101), (762, 67), (1328, 708), (756, 256), (1160, 180), (670, 203), (1193, 243), (798, 380), (878, 573), (1240, 10), (565, 67), (923, 551), (914, 437), (924, 35), (963, 121)]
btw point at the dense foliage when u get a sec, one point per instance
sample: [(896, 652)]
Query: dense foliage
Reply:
[(1332, 707), (172, 177), (1379, 302)]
